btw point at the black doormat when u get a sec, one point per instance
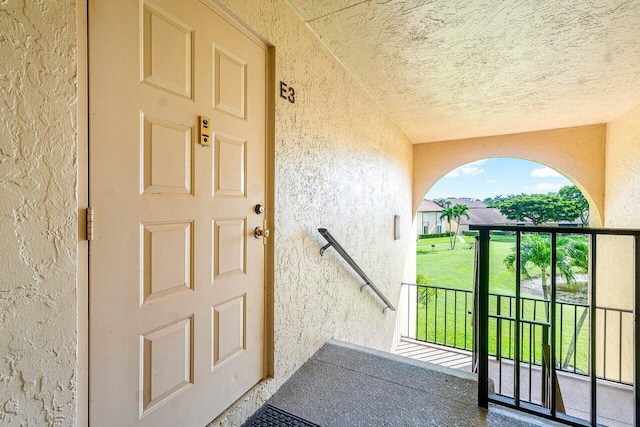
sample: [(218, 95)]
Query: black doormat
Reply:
[(270, 416)]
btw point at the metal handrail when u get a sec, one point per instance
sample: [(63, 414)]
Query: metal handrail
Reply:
[(332, 242)]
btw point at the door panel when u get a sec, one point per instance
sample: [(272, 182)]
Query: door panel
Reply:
[(176, 275)]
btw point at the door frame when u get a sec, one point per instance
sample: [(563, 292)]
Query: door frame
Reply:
[(83, 146)]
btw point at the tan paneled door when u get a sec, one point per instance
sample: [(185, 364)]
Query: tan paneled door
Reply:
[(176, 274)]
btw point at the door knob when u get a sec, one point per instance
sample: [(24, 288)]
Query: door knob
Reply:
[(259, 232)]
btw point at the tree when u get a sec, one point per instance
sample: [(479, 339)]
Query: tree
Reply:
[(540, 208), (571, 192), (535, 250), (459, 211), (494, 202), (571, 256), (448, 214), (579, 259)]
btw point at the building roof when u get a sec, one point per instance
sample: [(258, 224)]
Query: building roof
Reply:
[(429, 206), (485, 216), (473, 204)]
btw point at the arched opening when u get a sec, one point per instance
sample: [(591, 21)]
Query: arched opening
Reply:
[(577, 153), (442, 310)]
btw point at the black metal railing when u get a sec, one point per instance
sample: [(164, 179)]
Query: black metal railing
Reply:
[(439, 315), (367, 282), (444, 316), (547, 331)]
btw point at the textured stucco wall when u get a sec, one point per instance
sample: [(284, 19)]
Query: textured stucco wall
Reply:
[(578, 153), (615, 254), (38, 226), (342, 165), (622, 174)]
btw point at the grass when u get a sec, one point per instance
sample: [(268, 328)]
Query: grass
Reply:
[(454, 269), (445, 319)]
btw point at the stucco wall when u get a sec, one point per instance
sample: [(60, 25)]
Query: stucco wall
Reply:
[(622, 174), (38, 226), (339, 164), (577, 153), (342, 165), (615, 254)]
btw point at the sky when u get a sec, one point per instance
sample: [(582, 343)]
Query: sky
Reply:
[(498, 176)]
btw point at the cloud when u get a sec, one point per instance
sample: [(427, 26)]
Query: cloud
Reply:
[(544, 187), (491, 181), (545, 172), (466, 171)]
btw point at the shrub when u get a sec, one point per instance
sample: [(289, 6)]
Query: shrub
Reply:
[(433, 236)]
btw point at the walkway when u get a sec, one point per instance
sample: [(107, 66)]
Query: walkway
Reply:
[(615, 401), (432, 353)]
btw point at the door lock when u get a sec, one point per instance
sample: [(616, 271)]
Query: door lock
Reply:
[(259, 209), (259, 232)]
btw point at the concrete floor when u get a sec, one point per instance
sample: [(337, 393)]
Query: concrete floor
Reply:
[(346, 385)]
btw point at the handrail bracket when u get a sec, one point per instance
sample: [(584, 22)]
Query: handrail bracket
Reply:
[(325, 247)]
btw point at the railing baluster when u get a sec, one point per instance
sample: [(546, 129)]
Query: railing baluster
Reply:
[(532, 333), (620, 348), (561, 334), (516, 356), (426, 314), (592, 324), (455, 319), (446, 307), (409, 313), (604, 350), (435, 319), (575, 350)]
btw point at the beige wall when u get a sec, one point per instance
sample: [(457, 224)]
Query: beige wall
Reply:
[(577, 153), (622, 174), (615, 254), (433, 218), (38, 202), (337, 160)]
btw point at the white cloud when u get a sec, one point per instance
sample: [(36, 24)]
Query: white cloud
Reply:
[(466, 171), (544, 187), (545, 172), (491, 181)]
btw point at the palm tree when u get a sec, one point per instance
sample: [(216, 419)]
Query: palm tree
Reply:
[(448, 214), (459, 211), (571, 257), (535, 250)]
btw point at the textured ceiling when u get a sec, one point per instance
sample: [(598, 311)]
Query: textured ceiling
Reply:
[(450, 69)]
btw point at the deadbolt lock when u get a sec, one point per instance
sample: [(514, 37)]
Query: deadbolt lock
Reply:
[(259, 209)]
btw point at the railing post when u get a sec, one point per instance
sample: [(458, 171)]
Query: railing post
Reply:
[(483, 318), (593, 415), (552, 393), (636, 332)]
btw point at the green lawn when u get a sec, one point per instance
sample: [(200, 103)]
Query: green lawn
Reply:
[(454, 269), (445, 318)]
